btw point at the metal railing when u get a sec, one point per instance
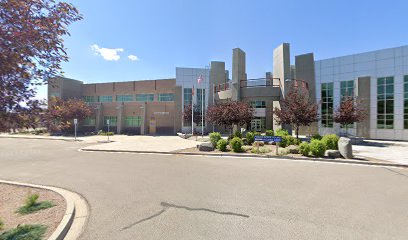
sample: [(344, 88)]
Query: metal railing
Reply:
[(222, 87), (260, 82)]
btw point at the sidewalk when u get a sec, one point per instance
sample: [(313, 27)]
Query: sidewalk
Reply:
[(154, 144), (390, 151)]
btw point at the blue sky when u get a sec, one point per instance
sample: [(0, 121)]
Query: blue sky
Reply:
[(161, 35)]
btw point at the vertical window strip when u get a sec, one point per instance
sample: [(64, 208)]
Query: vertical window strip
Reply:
[(406, 102), (327, 105), (385, 103)]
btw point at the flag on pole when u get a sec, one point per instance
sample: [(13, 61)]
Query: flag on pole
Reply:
[(200, 79), (192, 91)]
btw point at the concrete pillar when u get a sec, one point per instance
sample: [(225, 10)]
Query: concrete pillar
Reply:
[(281, 70), (120, 117), (305, 70), (99, 117), (143, 123), (178, 109), (363, 94), (238, 72)]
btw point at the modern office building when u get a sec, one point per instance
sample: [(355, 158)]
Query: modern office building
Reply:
[(379, 79)]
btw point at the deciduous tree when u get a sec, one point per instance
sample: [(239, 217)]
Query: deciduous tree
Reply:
[(230, 113), (296, 109), (31, 49), (349, 112), (187, 114), (60, 114)]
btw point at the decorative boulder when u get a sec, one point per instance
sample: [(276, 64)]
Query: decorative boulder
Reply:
[(292, 149), (345, 147), (205, 147), (332, 154)]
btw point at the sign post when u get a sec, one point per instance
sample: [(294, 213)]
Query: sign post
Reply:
[(107, 123), (75, 125), (275, 139)]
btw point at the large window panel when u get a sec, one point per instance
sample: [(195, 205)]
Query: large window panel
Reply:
[(104, 98), (188, 96), (113, 120), (124, 98), (133, 121), (166, 97), (385, 103), (327, 105), (144, 97)]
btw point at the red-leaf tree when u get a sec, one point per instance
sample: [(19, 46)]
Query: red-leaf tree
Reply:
[(187, 114), (61, 114), (349, 112), (31, 49), (230, 113), (296, 109)]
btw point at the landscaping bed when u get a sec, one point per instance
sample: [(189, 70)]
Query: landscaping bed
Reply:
[(41, 218)]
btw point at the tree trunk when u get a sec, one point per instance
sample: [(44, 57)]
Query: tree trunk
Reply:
[(297, 132)]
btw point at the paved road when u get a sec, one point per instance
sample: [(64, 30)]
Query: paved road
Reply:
[(135, 196)]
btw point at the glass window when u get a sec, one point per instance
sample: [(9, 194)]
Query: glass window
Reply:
[(166, 97), (124, 98), (89, 121), (258, 124), (200, 97), (327, 105), (385, 103), (188, 97), (144, 97), (88, 99), (258, 104), (406, 102), (346, 89), (133, 121), (104, 98), (112, 120)]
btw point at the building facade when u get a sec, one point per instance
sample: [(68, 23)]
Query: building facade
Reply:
[(378, 78)]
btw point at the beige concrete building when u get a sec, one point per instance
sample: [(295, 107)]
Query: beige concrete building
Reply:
[(378, 78)]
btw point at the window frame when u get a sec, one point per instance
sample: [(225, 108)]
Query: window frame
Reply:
[(385, 102)]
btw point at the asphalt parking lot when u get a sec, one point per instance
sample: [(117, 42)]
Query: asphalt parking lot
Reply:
[(153, 196)]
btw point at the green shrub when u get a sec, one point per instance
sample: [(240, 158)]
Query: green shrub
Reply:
[(1, 224), (304, 148), (25, 232), (331, 140), (236, 144), (317, 147), (261, 144), (214, 138), (257, 134), (297, 141), (284, 142), (103, 133), (250, 137), (281, 132), (290, 139), (31, 200), (316, 136), (222, 145), (269, 133), (31, 205), (262, 150), (237, 134)]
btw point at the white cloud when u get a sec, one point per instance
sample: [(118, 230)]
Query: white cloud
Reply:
[(109, 54), (133, 58)]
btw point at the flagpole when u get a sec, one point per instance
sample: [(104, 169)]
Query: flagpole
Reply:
[(192, 112), (202, 113)]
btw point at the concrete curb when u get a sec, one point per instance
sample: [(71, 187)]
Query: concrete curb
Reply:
[(75, 217), (254, 156), (42, 138)]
